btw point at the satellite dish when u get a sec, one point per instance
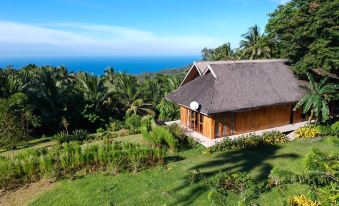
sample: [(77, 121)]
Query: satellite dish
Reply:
[(194, 105)]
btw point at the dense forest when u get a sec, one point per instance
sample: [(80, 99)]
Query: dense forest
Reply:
[(37, 101)]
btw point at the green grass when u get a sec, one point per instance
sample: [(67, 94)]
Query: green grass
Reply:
[(35, 143), (45, 142), (168, 184)]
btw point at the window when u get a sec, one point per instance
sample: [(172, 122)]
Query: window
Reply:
[(195, 121), (223, 124)]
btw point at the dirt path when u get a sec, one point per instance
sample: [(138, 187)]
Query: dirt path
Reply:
[(26, 194)]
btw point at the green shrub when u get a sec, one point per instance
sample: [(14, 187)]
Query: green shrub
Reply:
[(148, 122), (160, 136), (69, 158), (324, 130), (249, 141), (167, 136), (100, 130), (335, 127), (62, 137), (222, 184), (77, 135), (133, 121), (114, 126)]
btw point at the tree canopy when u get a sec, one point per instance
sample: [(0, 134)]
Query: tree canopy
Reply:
[(307, 33)]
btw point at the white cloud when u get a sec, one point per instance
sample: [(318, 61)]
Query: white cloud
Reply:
[(19, 39)]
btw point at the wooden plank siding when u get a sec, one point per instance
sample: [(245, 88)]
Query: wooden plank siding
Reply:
[(262, 118), (232, 123), (208, 130), (183, 116)]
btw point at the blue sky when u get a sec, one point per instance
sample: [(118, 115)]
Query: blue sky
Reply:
[(125, 27)]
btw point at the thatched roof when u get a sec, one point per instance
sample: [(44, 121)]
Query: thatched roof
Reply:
[(240, 85)]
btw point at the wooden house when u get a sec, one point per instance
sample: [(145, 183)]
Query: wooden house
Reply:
[(224, 98)]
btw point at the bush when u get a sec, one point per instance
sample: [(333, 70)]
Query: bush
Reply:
[(335, 127), (324, 130), (148, 122), (249, 141), (301, 200), (274, 137), (306, 132), (114, 126), (133, 121), (160, 136), (222, 184), (69, 158), (77, 135)]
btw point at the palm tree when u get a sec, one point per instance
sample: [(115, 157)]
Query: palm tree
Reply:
[(93, 87), (223, 52), (109, 76), (318, 97), (253, 46), (130, 94), (139, 107)]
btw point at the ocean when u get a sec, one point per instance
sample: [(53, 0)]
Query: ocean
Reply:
[(97, 65)]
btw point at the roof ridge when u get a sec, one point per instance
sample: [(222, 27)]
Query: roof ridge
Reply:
[(250, 61)]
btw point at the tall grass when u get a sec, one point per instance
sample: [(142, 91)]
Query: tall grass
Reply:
[(161, 136), (67, 159)]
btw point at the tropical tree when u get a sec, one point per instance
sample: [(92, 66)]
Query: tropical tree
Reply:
[(306, 32), (130, 94), (223, 52), (139, 107), (317, 98), (253, 46)]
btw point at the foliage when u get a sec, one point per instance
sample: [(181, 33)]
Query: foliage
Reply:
[(335, 127), (133, 121), (324, 130), (77, 135), (318, 97), (160, 136), (223, 52), (305, 31), (274, 137), (220, 185), (321, 172), (253, 46), (148, 122), (168, 111), (306, 132), (249, 141), (80, 100), (72, 157), (301, 200)]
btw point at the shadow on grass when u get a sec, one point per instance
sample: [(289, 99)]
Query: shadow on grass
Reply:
[(170, 159), (245, 160)]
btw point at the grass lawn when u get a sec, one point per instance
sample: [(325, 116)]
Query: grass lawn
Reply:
[(168, 185)]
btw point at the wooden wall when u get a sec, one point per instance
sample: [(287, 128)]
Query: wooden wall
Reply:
[(183, 115), (208, 130), (248, 121), (191, 75), (262, 118)]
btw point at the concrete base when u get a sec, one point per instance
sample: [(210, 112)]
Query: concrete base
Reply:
[(207, 142)]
